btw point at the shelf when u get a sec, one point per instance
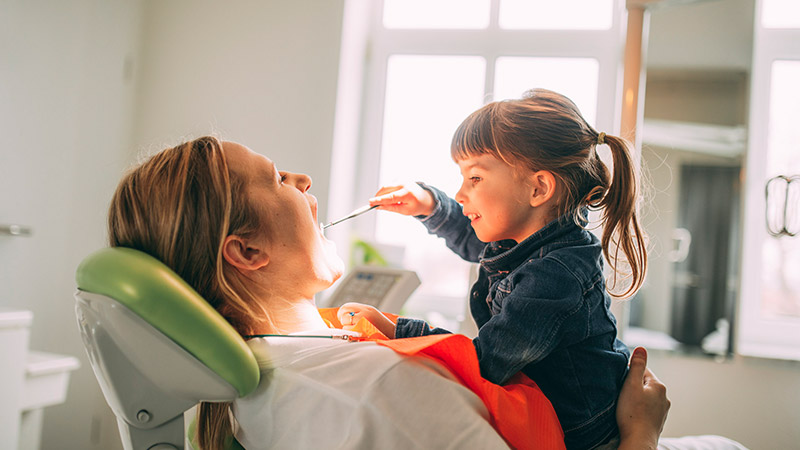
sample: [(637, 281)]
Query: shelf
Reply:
[(719, 140)]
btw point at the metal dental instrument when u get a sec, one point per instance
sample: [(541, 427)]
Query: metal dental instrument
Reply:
[(355, 213)]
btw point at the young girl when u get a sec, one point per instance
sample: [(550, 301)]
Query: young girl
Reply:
[(530, 174)]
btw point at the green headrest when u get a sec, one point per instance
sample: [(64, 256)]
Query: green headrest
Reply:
[(159, 296)]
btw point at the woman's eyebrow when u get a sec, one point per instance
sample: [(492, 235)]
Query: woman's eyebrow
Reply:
[(276, 174)]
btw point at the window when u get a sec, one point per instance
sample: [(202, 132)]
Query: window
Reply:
[(770, 305), (780, 14), (426, 69), (576, 78), (560, 15), (425, 14)]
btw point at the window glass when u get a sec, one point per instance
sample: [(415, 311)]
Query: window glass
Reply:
[(445, 14), (780, 14), (574, 77), (556, 15), (781, 286), (427, 97)]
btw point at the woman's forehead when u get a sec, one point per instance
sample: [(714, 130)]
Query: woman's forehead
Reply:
[(243, 160)]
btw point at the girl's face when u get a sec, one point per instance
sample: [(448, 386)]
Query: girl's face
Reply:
[(287, 212), (496, 199)]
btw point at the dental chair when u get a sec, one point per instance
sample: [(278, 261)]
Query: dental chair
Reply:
[(156, 347)]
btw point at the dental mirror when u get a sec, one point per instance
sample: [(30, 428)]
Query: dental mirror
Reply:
[(355, 213)]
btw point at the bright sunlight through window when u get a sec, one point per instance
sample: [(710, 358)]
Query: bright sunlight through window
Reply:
[(444, 14), (574, 77), (556, 15), (780, 14), (427, 97)]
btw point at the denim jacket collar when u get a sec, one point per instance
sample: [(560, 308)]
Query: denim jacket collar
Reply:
[(504, 256)]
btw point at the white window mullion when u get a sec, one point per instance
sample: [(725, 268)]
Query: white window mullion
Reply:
[(366, 176)]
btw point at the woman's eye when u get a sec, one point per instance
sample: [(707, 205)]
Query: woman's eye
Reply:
[(283, 177), (474, 179)]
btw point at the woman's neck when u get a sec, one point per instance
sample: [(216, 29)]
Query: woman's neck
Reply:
[(291, 316)]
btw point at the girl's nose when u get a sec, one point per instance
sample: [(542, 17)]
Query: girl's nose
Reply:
[(459, 195)]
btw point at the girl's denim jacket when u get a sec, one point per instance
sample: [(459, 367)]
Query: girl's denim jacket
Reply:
[(541, 308)]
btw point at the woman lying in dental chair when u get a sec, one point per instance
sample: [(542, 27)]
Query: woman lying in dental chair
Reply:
[(246, 237)]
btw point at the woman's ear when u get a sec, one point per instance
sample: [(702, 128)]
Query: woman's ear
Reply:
[(244, 254), (543, 187)]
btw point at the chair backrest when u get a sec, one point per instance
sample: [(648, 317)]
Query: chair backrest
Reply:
[(156, 347)]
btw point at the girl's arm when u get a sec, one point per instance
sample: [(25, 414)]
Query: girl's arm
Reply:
[(440, 214), (349, 314)]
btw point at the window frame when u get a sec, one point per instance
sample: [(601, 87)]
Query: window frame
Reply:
[(777, 338), (490, 43), (375, 44)]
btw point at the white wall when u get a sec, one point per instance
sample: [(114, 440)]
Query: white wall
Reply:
[(754, 401), (78, 101), (262, 73), (66, 104)]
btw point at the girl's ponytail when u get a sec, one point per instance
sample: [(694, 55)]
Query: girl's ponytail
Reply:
[(621, 228)]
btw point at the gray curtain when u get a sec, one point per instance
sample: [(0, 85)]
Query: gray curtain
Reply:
[(704, 287)]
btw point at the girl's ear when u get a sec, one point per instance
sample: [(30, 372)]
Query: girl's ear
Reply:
[(244, 254), (543, 187)]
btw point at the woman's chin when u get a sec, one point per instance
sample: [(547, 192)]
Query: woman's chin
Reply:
[(334, 263), (338, 268)]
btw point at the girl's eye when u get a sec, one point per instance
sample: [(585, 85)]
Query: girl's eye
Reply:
[(474, 179)]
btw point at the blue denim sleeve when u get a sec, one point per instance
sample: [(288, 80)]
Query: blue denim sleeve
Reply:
[(414, 327), (539, 315), (448, 222)]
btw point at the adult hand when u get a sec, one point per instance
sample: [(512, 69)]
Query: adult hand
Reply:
[(642, 405), (409, 199)]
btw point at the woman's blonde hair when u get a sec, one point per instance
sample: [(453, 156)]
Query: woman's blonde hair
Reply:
[(545, 131), (179, 206)]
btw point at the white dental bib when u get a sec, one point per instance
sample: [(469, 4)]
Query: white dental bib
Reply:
[(333, 393)]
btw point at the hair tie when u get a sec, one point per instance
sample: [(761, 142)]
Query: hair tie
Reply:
[(601, 139)]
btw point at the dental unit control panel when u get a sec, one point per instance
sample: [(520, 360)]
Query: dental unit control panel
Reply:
[(385, 288)]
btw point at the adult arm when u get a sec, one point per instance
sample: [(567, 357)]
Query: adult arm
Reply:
[(642, 406)]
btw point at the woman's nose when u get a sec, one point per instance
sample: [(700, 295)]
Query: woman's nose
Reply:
[(301, 181)]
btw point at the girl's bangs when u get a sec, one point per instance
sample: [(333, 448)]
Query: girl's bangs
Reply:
[(475, 136)]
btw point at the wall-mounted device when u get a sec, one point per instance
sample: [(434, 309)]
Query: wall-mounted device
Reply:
[(385, 288)]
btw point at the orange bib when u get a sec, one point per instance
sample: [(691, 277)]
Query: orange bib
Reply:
[(519, 410)]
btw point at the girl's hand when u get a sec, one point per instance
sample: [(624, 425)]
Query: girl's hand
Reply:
[(642, 405), (409, 199), (350, 313)]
